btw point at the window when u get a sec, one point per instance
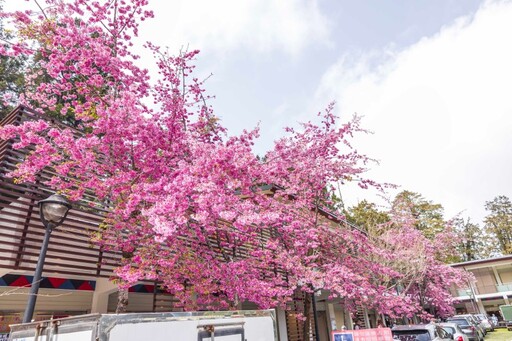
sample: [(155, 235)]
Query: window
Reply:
[(449, 329), (461, 322), (441, 333), (411, 335)]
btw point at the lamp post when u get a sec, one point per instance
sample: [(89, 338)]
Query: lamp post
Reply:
[(52, 210), (472, 298)]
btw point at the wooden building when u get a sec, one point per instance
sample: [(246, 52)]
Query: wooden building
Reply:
[(76, 276)]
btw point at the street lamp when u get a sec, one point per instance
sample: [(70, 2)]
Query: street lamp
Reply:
[(52, 210)]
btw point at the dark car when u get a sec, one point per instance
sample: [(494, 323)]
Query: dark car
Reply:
[(420, 332), (468, 327)]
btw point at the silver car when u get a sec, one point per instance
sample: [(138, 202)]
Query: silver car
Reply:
[(484, 320), (477, 322), (468, 327), (454, 329), (420, 332)]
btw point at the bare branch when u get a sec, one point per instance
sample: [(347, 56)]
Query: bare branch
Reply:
[(41, 8)]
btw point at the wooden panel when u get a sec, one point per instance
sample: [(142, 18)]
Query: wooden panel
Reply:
[(137, 302), (295, 325), (165, 302), (505, 275), (50, 300), (486, 282), (70, 251)]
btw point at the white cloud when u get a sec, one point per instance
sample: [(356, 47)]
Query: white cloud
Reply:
[(441, 110), (224, 25)]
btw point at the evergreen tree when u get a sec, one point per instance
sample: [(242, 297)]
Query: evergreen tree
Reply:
[(498, 222), (368, 217), (473, 241), (11, 73), (429, 216)]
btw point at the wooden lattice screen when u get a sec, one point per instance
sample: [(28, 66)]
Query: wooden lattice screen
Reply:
[(70, 251), (294, 324), (21, 231)]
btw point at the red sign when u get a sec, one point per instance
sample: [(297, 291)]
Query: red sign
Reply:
[(376, 334)]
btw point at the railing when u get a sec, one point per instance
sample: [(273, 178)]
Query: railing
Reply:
[(464, 292), (504, 287)]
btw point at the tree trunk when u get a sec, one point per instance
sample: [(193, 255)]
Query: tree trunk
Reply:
[(122, 301), (306, 330)]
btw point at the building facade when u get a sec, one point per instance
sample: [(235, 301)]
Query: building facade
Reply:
[(77, 274), (492, 286)]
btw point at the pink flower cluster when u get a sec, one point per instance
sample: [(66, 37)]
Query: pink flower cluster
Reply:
[(195, 208)]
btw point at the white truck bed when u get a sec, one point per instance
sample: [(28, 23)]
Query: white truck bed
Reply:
[(251, 325)]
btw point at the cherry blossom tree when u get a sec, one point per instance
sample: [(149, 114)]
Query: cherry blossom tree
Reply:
[(189, 205), (424, 279)]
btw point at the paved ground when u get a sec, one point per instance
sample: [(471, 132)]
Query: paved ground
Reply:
[(499, 335)]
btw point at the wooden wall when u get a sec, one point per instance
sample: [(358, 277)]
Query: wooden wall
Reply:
[(21, 231), (48, 301)]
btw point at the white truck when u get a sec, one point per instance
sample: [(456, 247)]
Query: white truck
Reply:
[(250, 325), (506, 312)]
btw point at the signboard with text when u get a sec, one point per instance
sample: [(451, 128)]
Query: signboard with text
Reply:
[(376, 334)]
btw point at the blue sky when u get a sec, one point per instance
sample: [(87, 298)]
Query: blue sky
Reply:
[(268, 73), (431, 77)]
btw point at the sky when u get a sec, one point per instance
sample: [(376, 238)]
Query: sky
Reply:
[(431, 79)]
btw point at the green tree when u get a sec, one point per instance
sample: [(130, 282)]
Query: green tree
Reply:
[(367, 216), (429, 216), (473, 242), (498, 222), (11, 74)]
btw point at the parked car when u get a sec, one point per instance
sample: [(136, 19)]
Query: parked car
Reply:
[(454, 329), (468, 327), (477, 322), (421, 332), (494, 320), (485, 322)]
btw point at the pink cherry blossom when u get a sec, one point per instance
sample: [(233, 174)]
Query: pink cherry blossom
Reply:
[(189, 205)]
